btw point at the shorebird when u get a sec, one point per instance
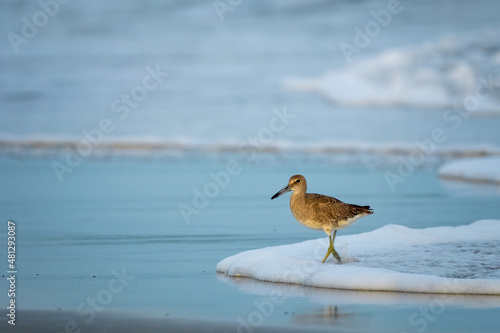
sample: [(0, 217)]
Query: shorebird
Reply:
[(321, 212)]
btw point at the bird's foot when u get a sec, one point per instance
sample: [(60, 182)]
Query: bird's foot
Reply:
[(334, 253), (326, 256)]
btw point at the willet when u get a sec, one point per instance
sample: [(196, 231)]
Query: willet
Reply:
[(321, 212)]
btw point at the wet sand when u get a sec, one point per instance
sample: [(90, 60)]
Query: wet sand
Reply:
[(59, 321)]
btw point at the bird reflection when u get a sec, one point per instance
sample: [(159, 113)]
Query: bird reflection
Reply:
[(329, 315)]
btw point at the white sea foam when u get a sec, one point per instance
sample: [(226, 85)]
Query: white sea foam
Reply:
[(145, 144), (450, 260), (482, 169), (434, 75)]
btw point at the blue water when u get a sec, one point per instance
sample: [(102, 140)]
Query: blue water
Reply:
[(221, 86), (225, 77), (124, 214)]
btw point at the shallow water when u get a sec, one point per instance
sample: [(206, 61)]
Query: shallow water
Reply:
[(122, 214), (464, 260)]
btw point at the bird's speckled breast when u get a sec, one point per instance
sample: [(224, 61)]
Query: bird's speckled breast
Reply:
[(303, 215), (309, 223)]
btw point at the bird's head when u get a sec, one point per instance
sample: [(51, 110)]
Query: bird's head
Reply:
[(295, 183)]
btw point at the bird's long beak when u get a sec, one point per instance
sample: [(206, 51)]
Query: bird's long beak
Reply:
[(282, 191)]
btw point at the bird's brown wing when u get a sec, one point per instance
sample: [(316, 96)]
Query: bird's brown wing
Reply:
[(334, 209)]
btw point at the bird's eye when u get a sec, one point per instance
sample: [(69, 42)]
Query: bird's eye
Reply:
[(297, 181)]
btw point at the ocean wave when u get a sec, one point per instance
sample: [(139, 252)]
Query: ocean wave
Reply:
[(452, 72), (145, 145), (482, 170)]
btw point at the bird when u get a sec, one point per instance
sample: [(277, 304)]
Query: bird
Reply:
[(321, 212)]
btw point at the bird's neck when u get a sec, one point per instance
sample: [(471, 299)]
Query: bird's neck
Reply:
[(297, 196)]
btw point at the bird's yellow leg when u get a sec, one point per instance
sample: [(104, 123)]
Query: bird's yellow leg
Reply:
[(331, 249), (334, 253)]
